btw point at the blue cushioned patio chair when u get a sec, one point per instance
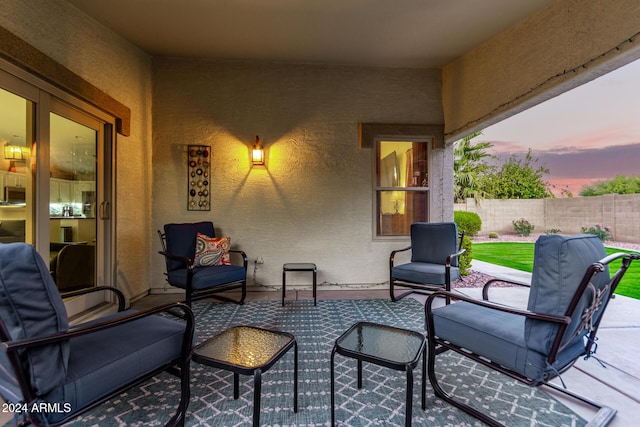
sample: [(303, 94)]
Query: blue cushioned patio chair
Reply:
[(179, 247), (569, 292), (435, 249), (50, 372)]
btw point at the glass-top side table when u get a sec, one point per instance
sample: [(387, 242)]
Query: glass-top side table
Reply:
[(249, 350), (299, 266), (388, 346)]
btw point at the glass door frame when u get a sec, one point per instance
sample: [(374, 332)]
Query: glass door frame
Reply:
[(71, 113), (47, 98)]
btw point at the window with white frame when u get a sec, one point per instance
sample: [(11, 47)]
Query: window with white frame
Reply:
[(401, 186)]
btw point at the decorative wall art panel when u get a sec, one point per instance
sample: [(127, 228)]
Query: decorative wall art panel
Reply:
[(198, 165)]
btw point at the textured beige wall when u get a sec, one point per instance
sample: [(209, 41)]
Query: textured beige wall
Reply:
[(617, 211), (124, 72), (567, 44), (313, 202)]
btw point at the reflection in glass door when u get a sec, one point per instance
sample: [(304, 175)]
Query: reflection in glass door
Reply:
[(16, 189), (72, 202)]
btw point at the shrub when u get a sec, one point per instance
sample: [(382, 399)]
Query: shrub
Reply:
[(554, 231), (469, 222), (602, 231), (464, 262), (522, 227), (493, 235)]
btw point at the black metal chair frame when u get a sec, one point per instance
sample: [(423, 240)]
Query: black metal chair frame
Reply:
[(437, 346), (420, 288), (178, 367), (193, 295)]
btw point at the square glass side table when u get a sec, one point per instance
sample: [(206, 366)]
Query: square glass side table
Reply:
[(249, 350), (382, 345)]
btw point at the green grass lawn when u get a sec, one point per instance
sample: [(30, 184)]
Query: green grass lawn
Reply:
[(520, 256)]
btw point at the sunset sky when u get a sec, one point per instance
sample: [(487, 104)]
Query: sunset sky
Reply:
[(589, 134)]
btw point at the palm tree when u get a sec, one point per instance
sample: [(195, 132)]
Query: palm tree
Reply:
[(468, 167)]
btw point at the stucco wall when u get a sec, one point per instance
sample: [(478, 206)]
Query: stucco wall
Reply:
[(313, 202), (123, 71), (567, 44), (619, 212)]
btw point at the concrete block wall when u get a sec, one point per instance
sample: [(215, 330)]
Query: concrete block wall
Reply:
[(619, 212), (627, 217), (498, 215)]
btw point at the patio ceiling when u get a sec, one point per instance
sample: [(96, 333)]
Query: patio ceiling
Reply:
[(399, 33)]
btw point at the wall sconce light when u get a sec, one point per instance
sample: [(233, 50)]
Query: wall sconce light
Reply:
[(13, 152), (257, 153)]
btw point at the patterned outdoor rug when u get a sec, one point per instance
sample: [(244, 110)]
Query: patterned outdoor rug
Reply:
[(379, 402)]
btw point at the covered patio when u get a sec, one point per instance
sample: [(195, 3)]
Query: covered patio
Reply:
[(454, 66), (304, 88)]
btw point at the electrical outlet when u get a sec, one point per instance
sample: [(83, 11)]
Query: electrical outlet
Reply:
[(259, 260)]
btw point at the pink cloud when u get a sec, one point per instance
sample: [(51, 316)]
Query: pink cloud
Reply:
[(572, 185), (602, 138)]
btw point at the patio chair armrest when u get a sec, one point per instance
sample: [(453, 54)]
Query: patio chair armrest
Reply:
[(393, 254), (563, 320), (485, 288), (187, 315), (245, 260), (188, 262), (447, 262), (118, 293), (610, 258)]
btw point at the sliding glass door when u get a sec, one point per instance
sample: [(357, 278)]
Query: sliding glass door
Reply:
[(55, 180), (73, 239)]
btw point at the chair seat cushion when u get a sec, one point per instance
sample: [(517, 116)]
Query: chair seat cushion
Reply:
[(422, 272), (208, 277), (103, 361), (499, 337)]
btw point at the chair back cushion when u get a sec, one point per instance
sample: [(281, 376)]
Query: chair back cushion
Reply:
[(181, 240), (31, 307), (433, 242), (560, 264)]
